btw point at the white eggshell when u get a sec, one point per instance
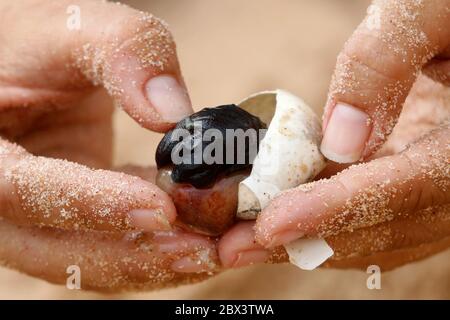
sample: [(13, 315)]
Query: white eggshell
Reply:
[(288, 156), (308, 254)]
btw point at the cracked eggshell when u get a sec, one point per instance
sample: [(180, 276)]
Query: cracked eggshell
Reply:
[(288, 155)]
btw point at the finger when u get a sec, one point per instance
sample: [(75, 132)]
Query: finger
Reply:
[(351, 249), (108, 261), (238, 248), (143, 73), (58, 193), (130, 53), (429, 225), (363, 195), (375, 72)]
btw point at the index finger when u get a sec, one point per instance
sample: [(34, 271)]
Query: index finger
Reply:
[(362, 195)]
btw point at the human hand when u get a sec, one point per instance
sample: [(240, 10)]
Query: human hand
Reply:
[(55, 213), (401, 198), (375, 72), (412, 234)]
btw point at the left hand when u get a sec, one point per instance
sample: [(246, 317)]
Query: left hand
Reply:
[(56, 209)]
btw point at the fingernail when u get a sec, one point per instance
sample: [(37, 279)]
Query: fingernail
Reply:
[(249, 257), (285, 237), (148, 220), (169, 98), (346, 134)]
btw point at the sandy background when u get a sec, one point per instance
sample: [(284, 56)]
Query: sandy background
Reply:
[(229, 49)]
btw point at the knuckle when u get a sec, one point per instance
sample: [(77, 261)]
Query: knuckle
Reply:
[(369, 56), (148, 38), (147, 29), (429, 184), (153, 28), (375, 65)]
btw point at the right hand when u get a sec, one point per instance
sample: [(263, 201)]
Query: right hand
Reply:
[(373, 76), (409, 237)]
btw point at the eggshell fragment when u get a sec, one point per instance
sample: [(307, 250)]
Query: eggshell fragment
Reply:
[(288, 156), (308, 254)]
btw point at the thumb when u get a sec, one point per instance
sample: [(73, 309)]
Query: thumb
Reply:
[(137, 63), (130, 53), (362, 195), (375, 72)]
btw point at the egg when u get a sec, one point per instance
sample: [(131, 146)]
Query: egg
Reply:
[(210, 195), (200, 165), (288, 156)]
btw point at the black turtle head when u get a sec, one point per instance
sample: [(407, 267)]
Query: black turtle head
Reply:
[(210, 143)]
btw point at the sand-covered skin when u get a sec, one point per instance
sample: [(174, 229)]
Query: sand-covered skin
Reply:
[(381, 60), (369, 241), (107, 261), (120, 52), (379, 224), (152, 44), (301, 66), (365, 194), (58, 193)]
